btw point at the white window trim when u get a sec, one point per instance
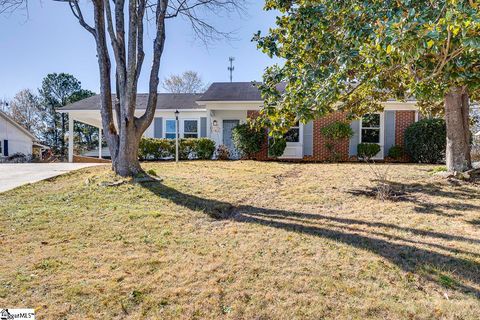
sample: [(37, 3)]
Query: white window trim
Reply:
[(297, 146), (380, 156), (181, 126)]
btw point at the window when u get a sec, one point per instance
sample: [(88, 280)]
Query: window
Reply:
[(1, 150), (371, 128), (190, 129), (293, 135), (170, 129)]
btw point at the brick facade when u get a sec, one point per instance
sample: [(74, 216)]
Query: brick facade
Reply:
[(403, 120), (320, 151)]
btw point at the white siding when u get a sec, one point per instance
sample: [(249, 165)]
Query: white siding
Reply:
[(216, 132), (191, 115), (18, 141)]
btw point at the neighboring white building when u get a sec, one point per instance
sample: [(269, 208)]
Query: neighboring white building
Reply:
[(14, 138)]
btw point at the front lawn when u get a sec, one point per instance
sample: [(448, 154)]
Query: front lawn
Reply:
[(243, 240)]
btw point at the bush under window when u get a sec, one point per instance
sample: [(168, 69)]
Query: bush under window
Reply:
[(367, 151), (425, 141), (161, 149), (276, 147)]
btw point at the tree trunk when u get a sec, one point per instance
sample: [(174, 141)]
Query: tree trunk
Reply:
[(125, 162), (458, 130)]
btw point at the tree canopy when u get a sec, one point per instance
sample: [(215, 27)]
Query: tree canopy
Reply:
[(187, 82), (354, 55)]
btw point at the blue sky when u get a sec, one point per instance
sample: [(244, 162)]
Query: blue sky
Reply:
[(49, 40)]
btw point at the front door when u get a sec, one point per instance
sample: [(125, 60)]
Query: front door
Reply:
[(228, 126)]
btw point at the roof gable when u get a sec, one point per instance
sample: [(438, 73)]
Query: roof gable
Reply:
[(16, 124), (234, 91)]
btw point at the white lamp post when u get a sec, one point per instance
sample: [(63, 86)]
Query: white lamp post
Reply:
[(176, 135)]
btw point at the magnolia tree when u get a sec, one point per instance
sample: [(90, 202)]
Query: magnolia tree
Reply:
[(121, 23), (353, 55)]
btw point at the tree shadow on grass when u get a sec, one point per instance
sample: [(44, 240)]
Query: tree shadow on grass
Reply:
[(409, 255), (413, 192)]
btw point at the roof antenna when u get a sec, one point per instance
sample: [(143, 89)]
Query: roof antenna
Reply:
[(231, 68)]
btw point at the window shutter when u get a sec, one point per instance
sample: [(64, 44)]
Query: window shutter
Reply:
[(308, 139), (5, 148), (158, 128), (354, 140), (389, 131), (203, 127)]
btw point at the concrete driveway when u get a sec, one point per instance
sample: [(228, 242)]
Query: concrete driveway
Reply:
[(13, 175)]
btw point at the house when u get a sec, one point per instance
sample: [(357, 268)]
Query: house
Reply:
[(224, 105), (16, 139)]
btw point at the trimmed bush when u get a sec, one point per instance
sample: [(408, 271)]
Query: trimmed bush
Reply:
[(160, 149), (367, 151), (425, 141), (205, 148), (396, 152), (335, 133), (276, 147), (156, 149), (247, 140)]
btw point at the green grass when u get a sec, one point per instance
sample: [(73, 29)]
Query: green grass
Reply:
[(243, 240)]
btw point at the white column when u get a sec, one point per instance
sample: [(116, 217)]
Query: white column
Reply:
[(70, 138), (209, 124)]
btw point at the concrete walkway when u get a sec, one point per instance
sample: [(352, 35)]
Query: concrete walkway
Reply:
[(13, 175)]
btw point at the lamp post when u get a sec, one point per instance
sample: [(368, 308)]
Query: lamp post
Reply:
[(176, 135)]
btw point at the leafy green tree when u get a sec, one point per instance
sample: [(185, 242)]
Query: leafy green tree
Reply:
[(354, 55), (56, 92)]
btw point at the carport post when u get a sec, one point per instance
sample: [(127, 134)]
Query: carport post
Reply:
[(70, 138), (99, 143)]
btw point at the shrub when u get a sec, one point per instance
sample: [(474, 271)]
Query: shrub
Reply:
[(186, 149), (425, 141), (205, 148), (223, 153), (367, 151), (156, 149), (396, 152), (192, 148), (276, 147), (247, 140), (335, 132)]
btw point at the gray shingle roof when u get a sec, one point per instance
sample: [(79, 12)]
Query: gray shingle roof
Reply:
[(233, 91), (165, 101)]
